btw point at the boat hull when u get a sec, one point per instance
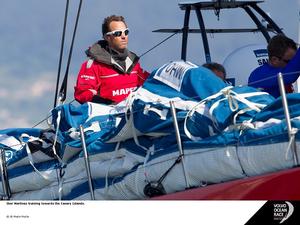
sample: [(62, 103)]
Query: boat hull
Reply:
[(283, 185)]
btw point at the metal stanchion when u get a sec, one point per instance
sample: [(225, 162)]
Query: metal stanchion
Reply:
[(287, 117), (178, 139), (4, 177), (87, 163)]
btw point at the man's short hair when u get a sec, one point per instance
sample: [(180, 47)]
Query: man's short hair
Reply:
[(279, 44), (108, 20), (215, 66)]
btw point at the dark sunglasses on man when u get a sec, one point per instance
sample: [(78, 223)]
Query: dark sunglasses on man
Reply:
[(283, 60), (118, 33)]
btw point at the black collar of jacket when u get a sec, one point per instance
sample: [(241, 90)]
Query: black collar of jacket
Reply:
[(100, 53)]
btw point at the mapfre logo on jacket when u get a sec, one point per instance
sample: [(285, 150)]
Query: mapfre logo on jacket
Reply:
[(123, 91)]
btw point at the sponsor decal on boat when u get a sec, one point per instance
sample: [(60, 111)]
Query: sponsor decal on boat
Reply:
[(173, 73)]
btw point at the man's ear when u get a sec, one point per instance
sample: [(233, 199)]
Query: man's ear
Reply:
[(105, 37)]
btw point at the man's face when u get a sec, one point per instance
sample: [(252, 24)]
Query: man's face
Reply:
[(118, 43), (283, 60)]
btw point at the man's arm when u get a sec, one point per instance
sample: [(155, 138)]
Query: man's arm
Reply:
[(266, 76), (292, 69), (143, 75), (87, 84)]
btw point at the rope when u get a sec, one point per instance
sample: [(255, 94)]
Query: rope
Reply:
[(31, 161), (109, 166), (155, 46), (293, 138)]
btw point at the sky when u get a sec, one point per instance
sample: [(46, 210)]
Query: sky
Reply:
[(30, 36)]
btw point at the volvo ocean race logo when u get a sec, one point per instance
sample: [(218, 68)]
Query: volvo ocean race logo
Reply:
[(283, 211)]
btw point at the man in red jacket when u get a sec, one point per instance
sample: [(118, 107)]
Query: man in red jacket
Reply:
[(112, 71)]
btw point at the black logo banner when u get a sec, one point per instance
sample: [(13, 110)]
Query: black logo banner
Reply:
[(277, 213)]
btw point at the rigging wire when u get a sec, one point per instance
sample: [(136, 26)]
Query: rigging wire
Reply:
[(155, 46), (61, 51), (63, 89), (43, 120)]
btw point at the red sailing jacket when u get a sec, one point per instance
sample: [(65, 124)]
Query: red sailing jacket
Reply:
[(103, 76)]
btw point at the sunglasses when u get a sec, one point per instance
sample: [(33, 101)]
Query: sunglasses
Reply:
[(118, 33), (283, 60)]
